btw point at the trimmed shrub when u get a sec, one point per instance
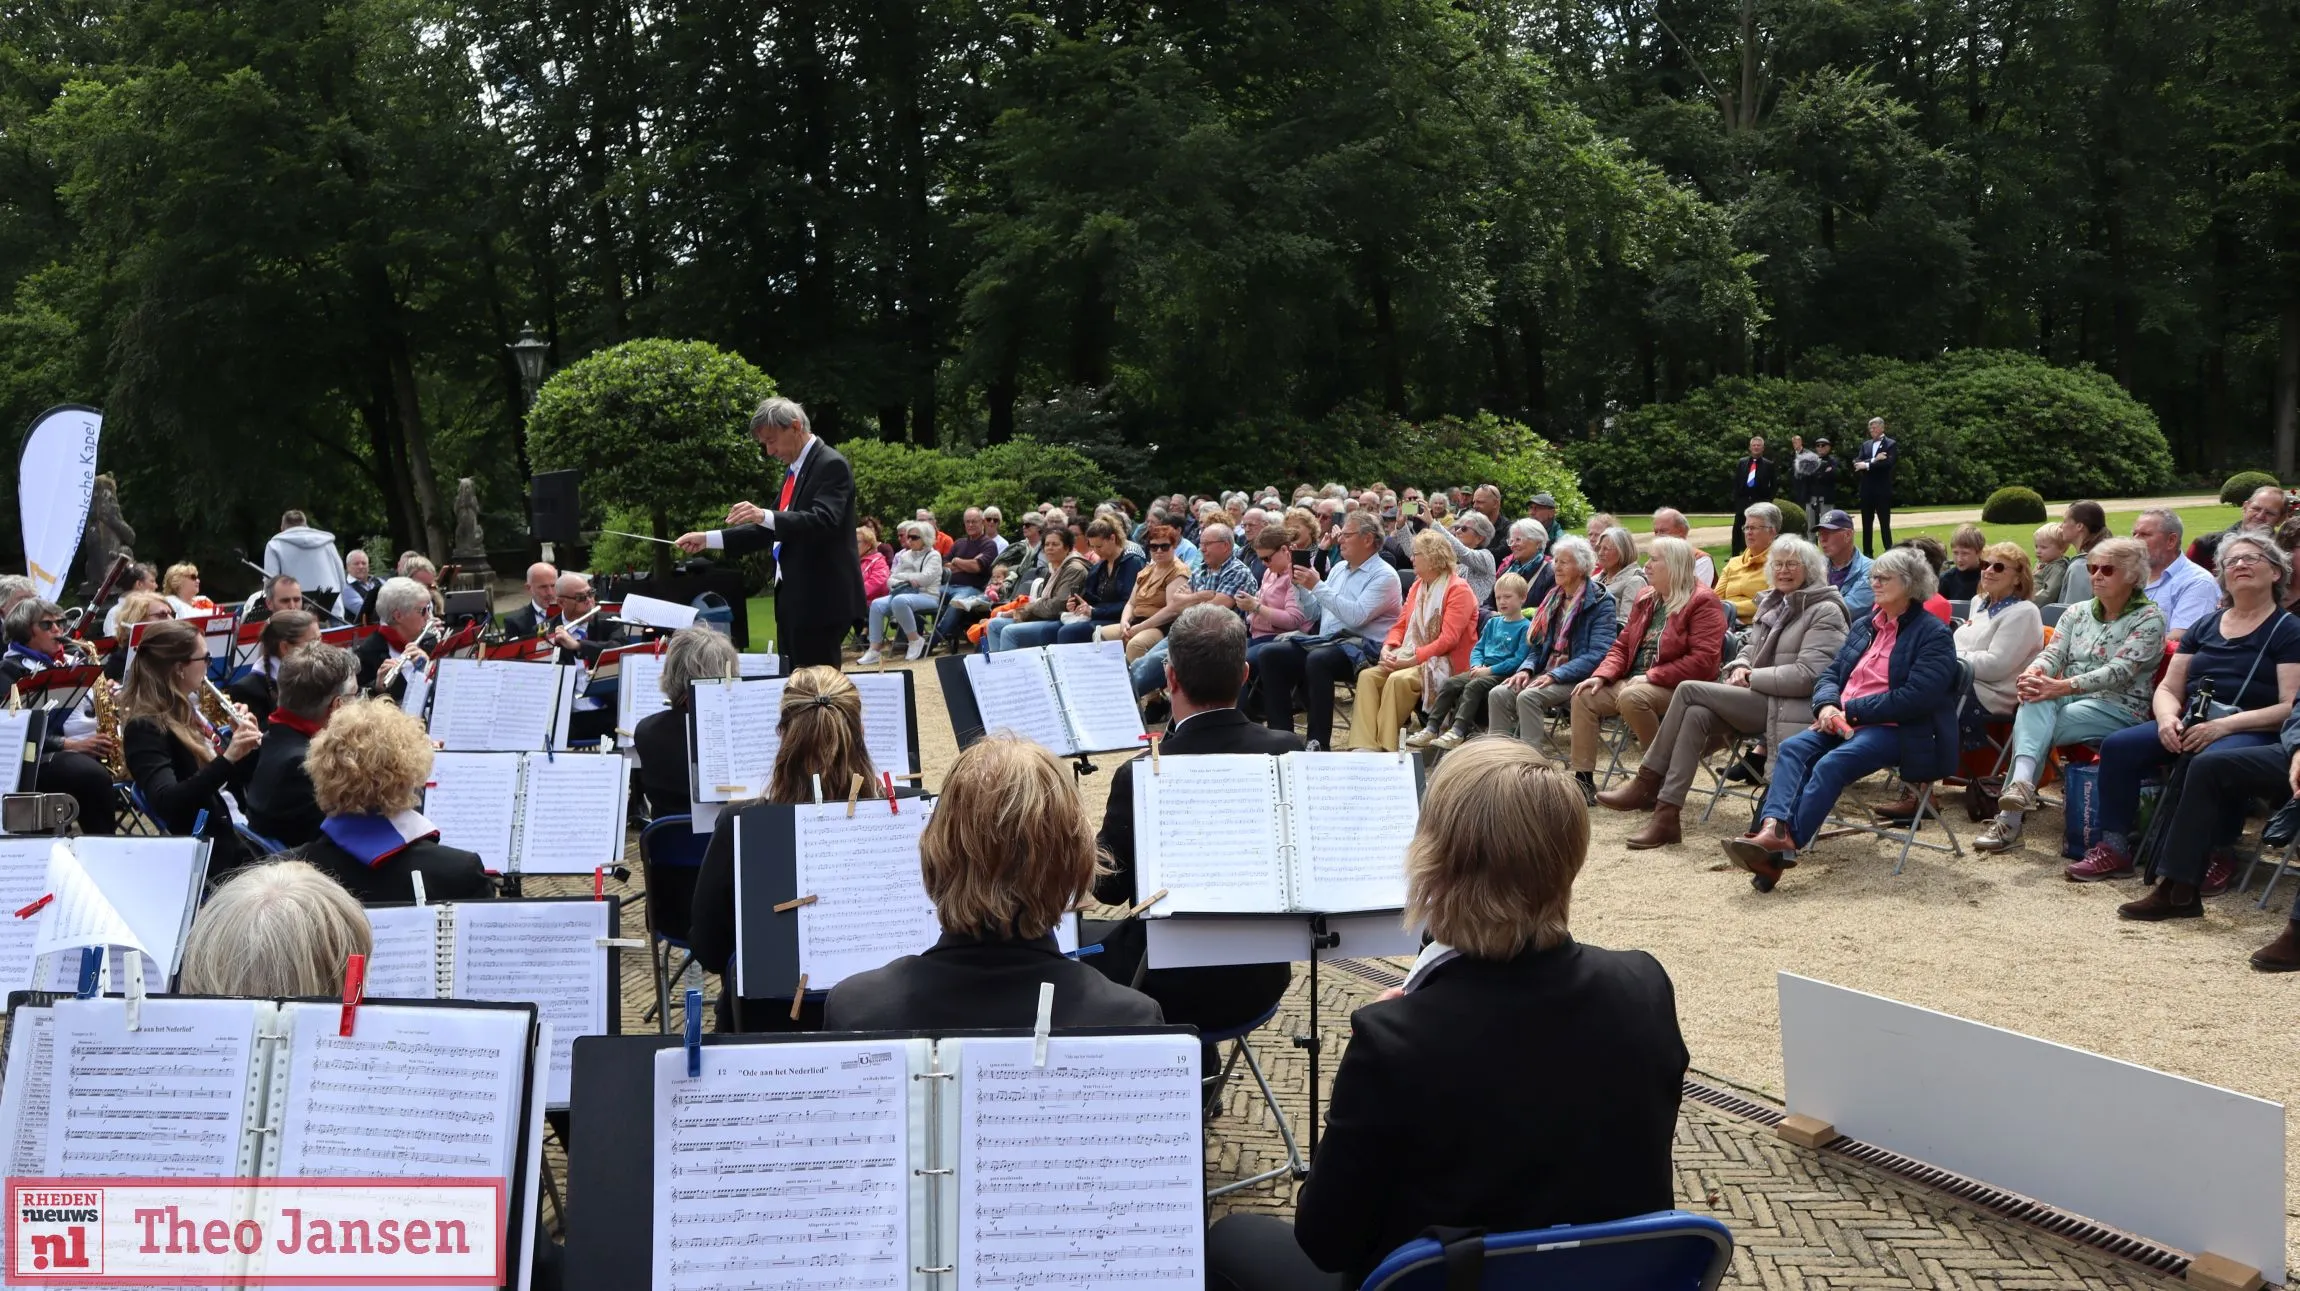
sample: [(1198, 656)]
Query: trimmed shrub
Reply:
[(2240, 487), (1792, 516), (2013, 505)]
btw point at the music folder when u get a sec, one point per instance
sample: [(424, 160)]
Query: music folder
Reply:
[(869, 902), (1073, 699)]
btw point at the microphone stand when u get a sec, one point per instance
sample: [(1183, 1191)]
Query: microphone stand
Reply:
[(339, 621)]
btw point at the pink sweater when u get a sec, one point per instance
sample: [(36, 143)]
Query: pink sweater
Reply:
[(1277, 613)]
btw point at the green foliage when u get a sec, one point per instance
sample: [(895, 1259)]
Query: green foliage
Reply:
[(1965, 423), (1792, 516), (2239, 488), (2013, 504), (893, 480), (656, 426)]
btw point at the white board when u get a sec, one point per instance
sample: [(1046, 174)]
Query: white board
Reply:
[(2184, 1163)]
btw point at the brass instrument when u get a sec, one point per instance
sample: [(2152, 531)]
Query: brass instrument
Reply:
[(104, 699)]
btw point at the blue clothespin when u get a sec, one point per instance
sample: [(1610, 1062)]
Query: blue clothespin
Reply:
[(91, 971), (200, 824), (694, 1033), (1083, 951)]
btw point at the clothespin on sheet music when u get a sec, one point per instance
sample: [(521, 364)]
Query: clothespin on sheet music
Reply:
[(14, 704), (91, 972), (854, 794), (785, 907), (817, 777), (887, 778), (36, 907), (134, 968), (1152, 741), (598, 883), (1403, 732), (1147, 902), (354, 990), (619, 943), (694, 1033), (1044, 1024), (200, 824), (798, 996), (415, 880)]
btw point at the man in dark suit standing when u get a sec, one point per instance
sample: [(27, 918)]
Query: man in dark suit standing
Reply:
[(1752, 482), (1205, 669), (1873, 467), (818, 581)]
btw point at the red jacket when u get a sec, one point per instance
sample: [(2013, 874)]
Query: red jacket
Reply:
[(1457, 625), (1692, 641)]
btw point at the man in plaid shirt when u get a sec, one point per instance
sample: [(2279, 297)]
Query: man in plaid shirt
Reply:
[(1221, 579)]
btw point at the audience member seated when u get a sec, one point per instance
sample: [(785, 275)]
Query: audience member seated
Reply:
[(1460, 707), (1452, 1106), (1529, 558), (313, 683), (1669, 522), (1273, 610), (1767, 691), (1961, 578), (1221, 578), (874, 570), (2176, 584), (1472, 537), (2054, 561), (1036, 623), (967, 564), (2085, 526), (2264, 512), (1019, 565), (134, 608), (1887, 700), (278, 595), (820, 726), (1427, 645), (1142, 624), (1848, 564), (1008, 853), (1618, 570), (171, 749), (2249, 654), (699, 653), (281, 929), (1355, 605), (359, 588), (1675, 634), (2003, 635), (72, 752), (181, 585), (139, 578), (283, 634), (1571, 631), (1745, 577), (403, 609), (368, 766), (1109, 585), (914, 585)]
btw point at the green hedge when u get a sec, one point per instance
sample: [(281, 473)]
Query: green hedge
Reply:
[(893, 480), (2240, 487), (2013, 505), (1967, 423)]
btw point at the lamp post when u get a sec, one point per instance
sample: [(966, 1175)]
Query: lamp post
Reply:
[(528, 352)]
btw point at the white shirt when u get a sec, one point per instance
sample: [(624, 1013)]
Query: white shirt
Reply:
[(2185, 593), (716, 539), (1704, 568)]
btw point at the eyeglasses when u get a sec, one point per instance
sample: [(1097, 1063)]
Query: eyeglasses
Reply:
[(1161, 546), (1997, 567), (51, 623), (2100, 571), (2239, 561)]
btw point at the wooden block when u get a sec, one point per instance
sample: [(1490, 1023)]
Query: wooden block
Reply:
[(2219, 1273), (1806, 1132)]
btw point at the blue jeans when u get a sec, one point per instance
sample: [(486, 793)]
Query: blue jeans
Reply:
[(904, 606), (1150, 670), (1811, 770), (1007, 634), (2134, 752), (1076, 633)]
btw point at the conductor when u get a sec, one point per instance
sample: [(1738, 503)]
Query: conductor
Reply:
[(818, 582)]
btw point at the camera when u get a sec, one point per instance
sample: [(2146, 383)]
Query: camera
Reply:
[(2199, 704), (37, 813)]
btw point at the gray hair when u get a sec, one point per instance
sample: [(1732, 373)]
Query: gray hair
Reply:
[(1575, 548), (699, 653), (1033, 520), (2259, 542), (313, 678), (1910, 566), (1789, 547), (1255, 513), (399, 595), (1476, 523), (993, 514), (918, 529), (1333, 491), (780, 413), (1206, 648), (1216, 532), (282, 928), (2167, 517), (25, 614), (1528, 529), (14, 587), (2129, 555), (1764, 513), (1668, 518), (1623, 543), (1363, 521), (1054, 518)]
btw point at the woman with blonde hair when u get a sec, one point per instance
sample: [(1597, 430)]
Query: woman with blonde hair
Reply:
[(1675, 633), (1008, 853), (181, 585), (1528, 1142), (368, 767), (134, 608), (279, 929), (180, 763), (1428, 644)]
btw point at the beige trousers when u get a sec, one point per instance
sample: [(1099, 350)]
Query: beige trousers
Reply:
[(1385, 704), (1640, 704)]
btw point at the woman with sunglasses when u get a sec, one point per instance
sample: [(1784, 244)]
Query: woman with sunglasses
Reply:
[(2091, 682), (2003, 635)]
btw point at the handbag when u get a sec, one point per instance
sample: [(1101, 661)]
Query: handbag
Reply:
[(2216, 710), (2081, 829)]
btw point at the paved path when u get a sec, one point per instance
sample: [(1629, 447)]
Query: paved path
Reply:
[(1714, 535)]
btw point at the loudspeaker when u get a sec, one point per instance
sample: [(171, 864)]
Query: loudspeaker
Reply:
[(555, 503)]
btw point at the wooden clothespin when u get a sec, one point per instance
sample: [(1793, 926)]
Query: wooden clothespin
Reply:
[(798, 996), (732, 788), (1147, 902), (785, 907), (887, 778), (1152, 741), (854, 795), (14, 704), (354, 990), (817, 777)]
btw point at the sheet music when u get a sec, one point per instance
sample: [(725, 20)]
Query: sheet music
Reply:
[(169, 1100), (573, 819), (1086, 1173), (760, 665), (1352, 817), (474, 799), (405, 962), (886, 719), (1098, 693), (790, 1161), (15, 733), (737, 734), (23, 879), (501, 707), (545, 953), (657, 613), (415, 1091), (24, 1094), (82, 914), (640, 692), (1206, 829), (414, 691), (1014, 692), (871, 904), (156, 884)]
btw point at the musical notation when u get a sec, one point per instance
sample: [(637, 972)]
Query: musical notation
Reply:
[(544, 953), (24, 1095), (572, 817), (405, 962), (871, 903), (23, 880), (411, 1061), (473, 799), (1014, 691), (1352, 819), (1207, 829), (166, 1100)]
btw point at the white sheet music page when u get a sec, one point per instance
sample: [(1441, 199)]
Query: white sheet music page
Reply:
[(413, 1091), (23, 881), (886, 719), (474, 799), (870, 902), (1014, 692), (545, 953), (1098, 693), (1086, 1173), (169, 1100), (572, 821), (784, 1166), (16, 768), (639, 690), (759, 665), (737, 733), (82, 914), (501, 706), (1353, 814), (156, 885), (1206, 830), (24, 1095), (405, 962)]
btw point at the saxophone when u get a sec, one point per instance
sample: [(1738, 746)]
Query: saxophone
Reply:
[(105, 699)]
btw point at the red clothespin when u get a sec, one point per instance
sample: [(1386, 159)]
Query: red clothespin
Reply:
[(887, 778), (599, 883), (354, 989), (431, 784), (1152, 742), (36, 907)]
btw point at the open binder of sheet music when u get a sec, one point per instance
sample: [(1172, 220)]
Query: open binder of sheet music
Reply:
[(1301, 833), (235, 1089), (734, 732), (898, 1164), (152, 885), (640, 694), (501, 707), (551, 952), (20, 734), (531, 813), (870, 904), (1071, 698)]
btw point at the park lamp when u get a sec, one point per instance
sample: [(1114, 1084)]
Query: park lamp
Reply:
[(528, 352)]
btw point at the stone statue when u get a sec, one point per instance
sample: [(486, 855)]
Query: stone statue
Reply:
[(107, 536), (469, 540)]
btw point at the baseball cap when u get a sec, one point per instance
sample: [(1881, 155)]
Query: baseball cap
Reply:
[(1836, 520), (1543, 500), (1821, 442)]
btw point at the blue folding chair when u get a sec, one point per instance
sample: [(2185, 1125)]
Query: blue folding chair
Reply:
[(670, 860), (260, 845), (1668, 1250)]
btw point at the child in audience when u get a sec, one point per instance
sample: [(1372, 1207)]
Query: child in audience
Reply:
[(1459, 709), (2053, 560)]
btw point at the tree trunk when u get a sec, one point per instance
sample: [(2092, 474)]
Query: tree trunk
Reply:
[(407, 410), (389, 471), (1386, 354), (1536, 371), (1004, 389), (1502, 394), (1748, 103), (2287, 425)]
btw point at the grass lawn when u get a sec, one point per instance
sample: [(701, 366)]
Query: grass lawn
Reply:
[(762, 613)]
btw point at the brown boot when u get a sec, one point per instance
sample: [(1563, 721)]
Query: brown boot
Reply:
[(2167, 900), (1902, 808), (1661, 831), (1637, 795), (2281, 955)]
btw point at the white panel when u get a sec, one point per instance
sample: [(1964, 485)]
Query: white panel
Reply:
[(1182, 942), (2184, 1163)]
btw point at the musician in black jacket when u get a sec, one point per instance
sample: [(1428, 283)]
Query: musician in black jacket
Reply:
[(1753, 481), (284, 633), (403, 609), (695, 654), (367, 769), (1518, 1080), (70, 757), (1007, 854), (313, 683), (818, 581), (1205, 669), (541, 612), (180, 763)]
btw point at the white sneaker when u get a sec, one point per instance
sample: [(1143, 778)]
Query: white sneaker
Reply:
[(1450, 740), (917, 649), (1420, 738), (2000, 835), (2018, 795), (869, 657)]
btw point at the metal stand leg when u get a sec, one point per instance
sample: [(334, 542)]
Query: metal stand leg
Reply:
[(1314, 1042)]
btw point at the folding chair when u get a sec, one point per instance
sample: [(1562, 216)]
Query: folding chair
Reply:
[(1618, 739), (670, 859), (1213, 1086), (2052, 613), (1668, 1250), (1736, 752), (2282, 865), (133, 820), (263, 846), (1841, 825)]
